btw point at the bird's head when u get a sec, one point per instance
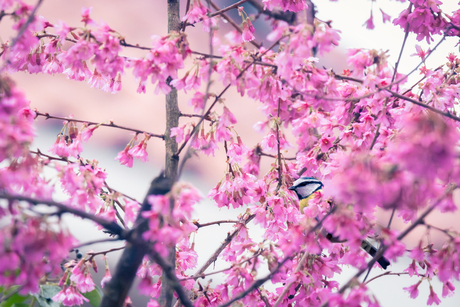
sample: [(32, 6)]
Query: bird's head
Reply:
[(306, 186)]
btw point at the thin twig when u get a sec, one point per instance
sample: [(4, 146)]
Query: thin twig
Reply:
[(273, 156), (445, 231), (115, 249), (263, 298), (199, 225), (391, 217), (389, 273), (228, 8), (406, 34), (421, 104), (111, 124), (205, 55), (97, 242)]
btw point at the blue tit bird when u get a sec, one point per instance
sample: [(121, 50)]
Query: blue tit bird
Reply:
[(305, 188)]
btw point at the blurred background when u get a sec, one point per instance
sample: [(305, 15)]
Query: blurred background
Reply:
[(137, 20)]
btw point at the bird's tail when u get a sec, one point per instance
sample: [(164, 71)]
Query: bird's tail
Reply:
[(371, 250)]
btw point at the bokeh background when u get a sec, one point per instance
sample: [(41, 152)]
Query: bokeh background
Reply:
[(137, 20)]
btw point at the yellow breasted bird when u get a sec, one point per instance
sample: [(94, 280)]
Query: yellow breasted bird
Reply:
[(305, 188)]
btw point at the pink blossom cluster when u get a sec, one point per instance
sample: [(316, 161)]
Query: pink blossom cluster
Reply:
[(423, 18), (374, 140), (30, 250), (94, 55)]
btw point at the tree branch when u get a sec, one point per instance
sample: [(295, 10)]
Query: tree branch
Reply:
[(109, 225), (171, 279), (116, 290), (111, 124)]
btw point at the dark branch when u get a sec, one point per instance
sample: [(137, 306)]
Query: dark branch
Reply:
[(110, 226)]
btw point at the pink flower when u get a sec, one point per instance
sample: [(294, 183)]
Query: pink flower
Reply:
[(139, 151), (248, 30), (197, 12), (447, 289), (269, 142), (87, 133), (326, 143), (69, 296), (236, 151), (85, 11), (125, 157), (178, 133), (197, 102), (385, 16), (412, 269), (131, 209), (433, 297), (420, 52), (413, 290), (370, 22), (107, 277)]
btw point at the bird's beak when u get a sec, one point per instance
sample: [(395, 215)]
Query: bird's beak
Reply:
[(291, 188)]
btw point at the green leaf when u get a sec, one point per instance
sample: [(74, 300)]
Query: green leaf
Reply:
[(44, 298), (14, 300), (94, 296)]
